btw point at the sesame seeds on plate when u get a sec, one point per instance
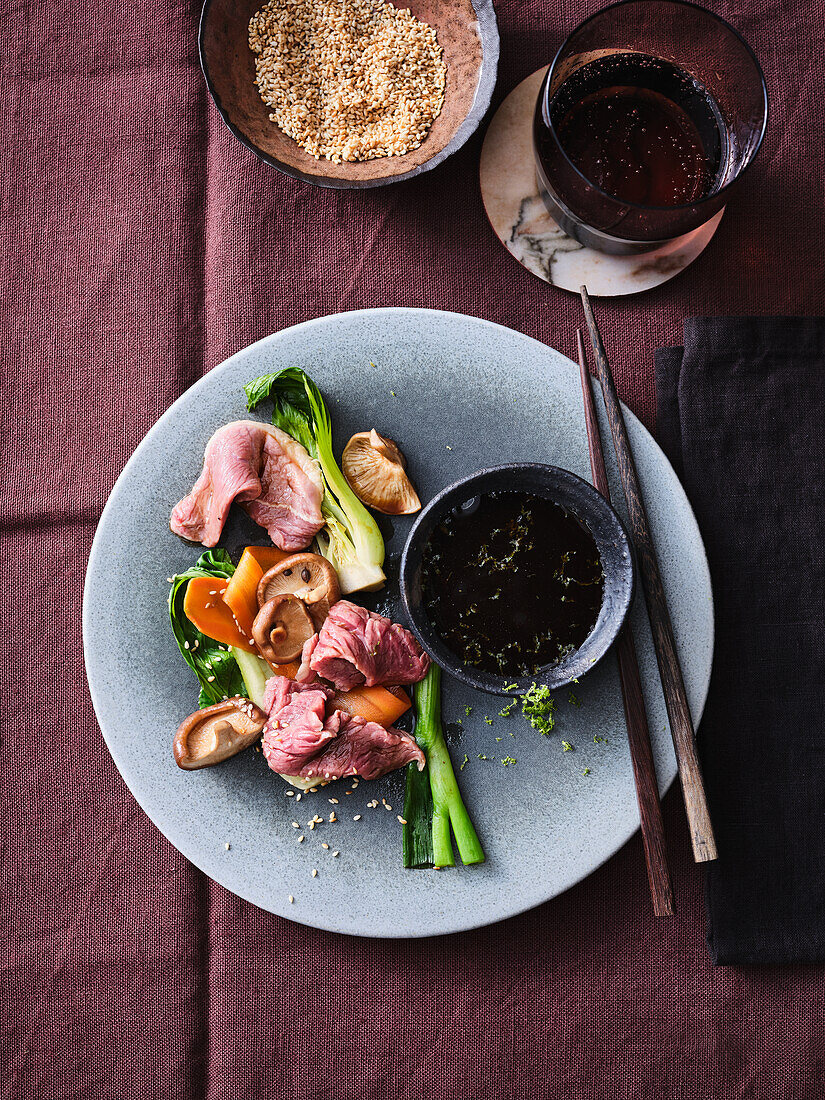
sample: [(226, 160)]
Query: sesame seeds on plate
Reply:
[(348, 80)]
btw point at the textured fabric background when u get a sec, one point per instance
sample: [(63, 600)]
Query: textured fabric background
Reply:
[(140, 245)]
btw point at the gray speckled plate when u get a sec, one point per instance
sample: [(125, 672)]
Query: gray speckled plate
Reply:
[(458, 394)]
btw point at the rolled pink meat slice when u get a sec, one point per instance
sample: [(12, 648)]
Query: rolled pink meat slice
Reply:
[(268, 473)]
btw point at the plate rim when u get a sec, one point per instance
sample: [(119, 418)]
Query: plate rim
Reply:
[(447, 926)]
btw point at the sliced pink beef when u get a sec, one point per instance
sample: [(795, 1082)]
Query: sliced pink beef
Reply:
[(268, 473), (305, 736), (356, 647)]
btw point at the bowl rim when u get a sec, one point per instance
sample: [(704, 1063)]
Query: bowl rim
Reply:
[(596, 645), (487, 24)]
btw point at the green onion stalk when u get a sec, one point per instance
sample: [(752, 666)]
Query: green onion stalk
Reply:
[(444, 810)]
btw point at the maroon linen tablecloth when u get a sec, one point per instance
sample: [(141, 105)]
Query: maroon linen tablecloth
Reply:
[(142, 245)]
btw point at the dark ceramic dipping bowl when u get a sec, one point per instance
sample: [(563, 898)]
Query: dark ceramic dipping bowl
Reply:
[(467, 32), (575, 496)]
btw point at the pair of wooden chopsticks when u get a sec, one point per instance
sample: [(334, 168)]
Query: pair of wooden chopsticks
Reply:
[(681, 724)]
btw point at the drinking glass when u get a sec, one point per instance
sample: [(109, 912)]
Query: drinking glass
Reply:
[(635, 40)]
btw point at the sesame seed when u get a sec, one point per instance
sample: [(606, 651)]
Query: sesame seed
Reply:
[(295, 825), (336, 853), (332, 816), (227, 845), (314, 872), (349, 81), (357, 817), (290, 794), (291, 899), (210, 679), (334, 801), (311, 824), (297, 798), (401, 819), (325, 846)]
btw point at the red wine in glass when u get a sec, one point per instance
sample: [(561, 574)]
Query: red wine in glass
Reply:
[(637, 130), (647, 118), (640, 129)]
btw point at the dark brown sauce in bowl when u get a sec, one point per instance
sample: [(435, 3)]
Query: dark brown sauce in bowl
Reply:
[(512, 582), (453, 520)]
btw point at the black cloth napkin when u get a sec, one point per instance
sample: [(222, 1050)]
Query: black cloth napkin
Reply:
[(740, 412)]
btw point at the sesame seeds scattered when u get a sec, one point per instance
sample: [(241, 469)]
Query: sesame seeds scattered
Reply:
[(351, 80), (333, 801)]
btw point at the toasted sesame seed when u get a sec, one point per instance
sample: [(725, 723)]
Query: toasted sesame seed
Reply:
[(349, 81), (210, 679), (325, 846), (401, 819), (333, 801), (332, 816)]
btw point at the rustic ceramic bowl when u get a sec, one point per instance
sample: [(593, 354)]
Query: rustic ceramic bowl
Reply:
[(468, 34), (577, 497)]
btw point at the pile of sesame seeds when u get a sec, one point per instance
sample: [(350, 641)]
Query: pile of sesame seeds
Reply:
[(348, 80)]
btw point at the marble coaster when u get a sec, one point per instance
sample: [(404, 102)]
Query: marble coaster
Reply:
[(524, 227)]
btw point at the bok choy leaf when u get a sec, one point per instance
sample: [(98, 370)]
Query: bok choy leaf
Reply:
[(351, 540), (215, 667)]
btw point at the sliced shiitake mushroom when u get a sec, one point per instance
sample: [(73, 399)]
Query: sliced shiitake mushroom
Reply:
[(309, 577), (215, 733), (375, 469), (281, 627)]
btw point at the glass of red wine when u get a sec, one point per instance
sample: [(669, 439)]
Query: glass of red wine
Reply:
[(645, 122)]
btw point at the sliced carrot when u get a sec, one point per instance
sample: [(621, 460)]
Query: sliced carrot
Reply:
[(375, 704), (204, 607), (241, 594), (289, 670), (267, 556)]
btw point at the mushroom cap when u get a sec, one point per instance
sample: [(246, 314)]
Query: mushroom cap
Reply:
[(309, 577), (215, 733), (281, 627), (375, 469)]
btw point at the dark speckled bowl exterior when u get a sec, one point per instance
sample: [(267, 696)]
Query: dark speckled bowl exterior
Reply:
[(590, 508), (468, 34)]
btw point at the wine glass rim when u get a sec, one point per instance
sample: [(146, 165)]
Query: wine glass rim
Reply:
[(658, 3)]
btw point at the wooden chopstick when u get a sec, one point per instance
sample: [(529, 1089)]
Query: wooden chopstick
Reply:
[(670, 671), (638, 733)]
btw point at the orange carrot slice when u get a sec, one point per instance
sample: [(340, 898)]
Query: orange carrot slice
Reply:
[(204, 607), (241, 594), (375, 704)]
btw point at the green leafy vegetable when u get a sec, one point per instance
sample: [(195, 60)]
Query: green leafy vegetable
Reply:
[(351, 539), (448, 809), (214, 665), (221, 672)]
